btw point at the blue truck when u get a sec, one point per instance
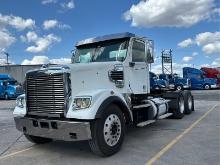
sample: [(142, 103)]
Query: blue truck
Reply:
[(157, 84), (198, 79), (9, 87), (176, 82)]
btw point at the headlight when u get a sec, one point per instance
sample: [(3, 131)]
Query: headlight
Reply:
[(20, 102), (82, 102)]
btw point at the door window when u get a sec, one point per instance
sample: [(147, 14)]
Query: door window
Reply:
[(138, 51)]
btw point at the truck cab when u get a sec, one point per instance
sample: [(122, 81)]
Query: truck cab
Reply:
[(12, 89), (198, 79), (105, 89), (156, 83), (176, 82), (212, 73)]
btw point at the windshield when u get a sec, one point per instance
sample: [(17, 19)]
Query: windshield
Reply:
[(114, 50)]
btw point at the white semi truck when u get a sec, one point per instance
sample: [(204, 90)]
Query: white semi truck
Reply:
[(103, 90)]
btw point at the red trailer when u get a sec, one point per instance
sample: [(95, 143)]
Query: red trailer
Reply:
[(212, 73)]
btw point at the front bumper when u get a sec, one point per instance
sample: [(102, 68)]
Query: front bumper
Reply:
[(214, 86), (54, 129)]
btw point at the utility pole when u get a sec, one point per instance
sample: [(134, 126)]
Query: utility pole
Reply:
[(7, 57)]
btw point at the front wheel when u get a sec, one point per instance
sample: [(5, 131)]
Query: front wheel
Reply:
[(108, 132), (179, 87), (207, 86)]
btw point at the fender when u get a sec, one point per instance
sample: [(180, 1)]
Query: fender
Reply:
[(118, 101), (100, 99)]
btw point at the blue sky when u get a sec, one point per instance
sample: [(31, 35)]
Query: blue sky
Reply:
[(50, 28)]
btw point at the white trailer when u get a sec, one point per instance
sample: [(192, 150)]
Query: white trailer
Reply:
[(104, 89)]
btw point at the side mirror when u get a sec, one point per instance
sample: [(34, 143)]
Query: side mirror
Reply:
[(149, 51)]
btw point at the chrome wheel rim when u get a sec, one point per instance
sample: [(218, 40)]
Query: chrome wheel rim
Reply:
[(206, 86), (112, 130), (181, 104), (190, 102), (179, 88)]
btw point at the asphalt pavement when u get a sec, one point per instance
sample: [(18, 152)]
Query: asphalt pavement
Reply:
[(193, 140)]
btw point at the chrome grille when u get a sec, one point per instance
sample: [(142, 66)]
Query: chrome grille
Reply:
[(45, 94)]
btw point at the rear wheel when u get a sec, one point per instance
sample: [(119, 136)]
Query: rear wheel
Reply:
[(176, 104), (6, 96), (108, 132), (188, 102), (37, 139)]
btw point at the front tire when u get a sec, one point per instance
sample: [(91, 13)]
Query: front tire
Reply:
[(37, 139), (108, 132), (207, 86), (179, 87)]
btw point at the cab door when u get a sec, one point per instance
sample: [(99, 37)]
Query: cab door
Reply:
[(139, 81)]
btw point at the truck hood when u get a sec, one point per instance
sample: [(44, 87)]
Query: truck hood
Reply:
[(211, 80), (90, 76)]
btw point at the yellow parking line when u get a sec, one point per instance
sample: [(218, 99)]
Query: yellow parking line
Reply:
[(174, 141), (15, 153)]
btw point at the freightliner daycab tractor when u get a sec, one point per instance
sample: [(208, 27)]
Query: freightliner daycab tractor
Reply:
[(105, 89)]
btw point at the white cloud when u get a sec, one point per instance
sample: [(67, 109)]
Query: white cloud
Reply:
[(41, 43), (16, 22), (186, 43), (208, 41), (177, 68), (169, 13), (207, 37), (187, 59), (212, 48), (44, 2), (195, 54), (36, 60), (216, 63), (45, 60), (49, 24), (67, 6), (5, 39)]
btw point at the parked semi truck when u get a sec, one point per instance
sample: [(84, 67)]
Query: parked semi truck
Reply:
[(176, 82), (105, 89), (10, 87), (157, 84), (212, 73), (198, 79)]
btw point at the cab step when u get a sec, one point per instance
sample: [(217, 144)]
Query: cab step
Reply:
[(165, 116), (142, 124)]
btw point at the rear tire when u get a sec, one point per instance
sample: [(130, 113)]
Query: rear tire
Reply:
[(6, 97), (176, 105), (37, 139), (188, 102), (108, 132)]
